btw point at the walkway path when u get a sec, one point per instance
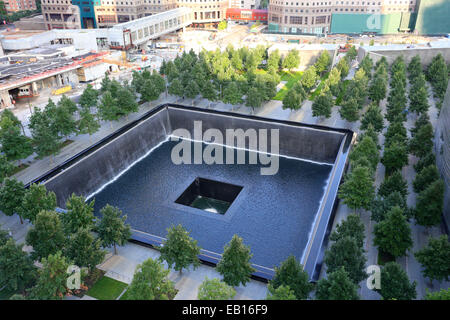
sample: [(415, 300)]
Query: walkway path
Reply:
[(122, 266)]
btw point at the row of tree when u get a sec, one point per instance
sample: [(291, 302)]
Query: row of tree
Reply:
[(231, 76), (300, 90), (57, 122), (437, 75), (58, 239), (355, 92)]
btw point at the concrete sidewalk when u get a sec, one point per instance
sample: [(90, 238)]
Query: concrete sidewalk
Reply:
[(122, 266)]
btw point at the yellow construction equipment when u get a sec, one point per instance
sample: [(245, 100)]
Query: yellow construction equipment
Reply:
[(62, 90)]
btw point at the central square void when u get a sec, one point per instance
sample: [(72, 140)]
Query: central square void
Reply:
[(209, 195), (273, 214)]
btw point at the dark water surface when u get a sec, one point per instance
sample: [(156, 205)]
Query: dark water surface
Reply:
[(273, 214)]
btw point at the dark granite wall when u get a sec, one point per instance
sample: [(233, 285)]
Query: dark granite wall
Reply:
[(295, 141), (91, 172)]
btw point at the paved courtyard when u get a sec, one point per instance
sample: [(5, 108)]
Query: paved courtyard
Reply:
[(122, 266)]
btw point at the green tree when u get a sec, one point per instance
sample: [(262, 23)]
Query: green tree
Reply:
[(418, 98), (84, 250), (111, 228), (45, 138), (350, 110), (309, 78), (395, 284), (176, 88), (347, 253), (273, 62), (444, 294), (67, 104), (437, 74), (150, 91), (351, 54), (14, 144), (425, 177), (17, 271), (150, 282), (425, 161), (377, 89), (357, 191), (280, 293), (334, 78), (370, 132), (415, 67), (292, 100), (105, 83), (373, 117), (353, 227), (51, 284), (89, 97), (46, 236), (191, 90), (231, 94), (11, 197), (236, 60), (393, 234), (6, 113), (323, 62), (396, 132), (382, 205), (108, 109), (126, 101), (366, 148), (422, 142), (291, 60), (209, 92), (5, 168), (80, 214), (291, 274), (367, 65), (222, 25), (235, 266), (37, 199), (434, 258), (179, 249), (395, 157), (337, 286), (430, 204), (394, 183), (64, 121), (254, 99), (87, 123), (4, 237), (343, 67), (214, 289), (322, 105)]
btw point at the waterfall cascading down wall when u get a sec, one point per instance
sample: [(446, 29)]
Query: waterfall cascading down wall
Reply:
[(92, 169)]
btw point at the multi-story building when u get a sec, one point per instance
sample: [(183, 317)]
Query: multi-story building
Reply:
[(19, 5), (244, 4), (106, 13), (61, 14), (315, 16)]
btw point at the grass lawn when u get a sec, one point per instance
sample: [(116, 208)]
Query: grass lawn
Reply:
[(316, 92), (341, 95), (106, 289), (291, 78), (124, 296)]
